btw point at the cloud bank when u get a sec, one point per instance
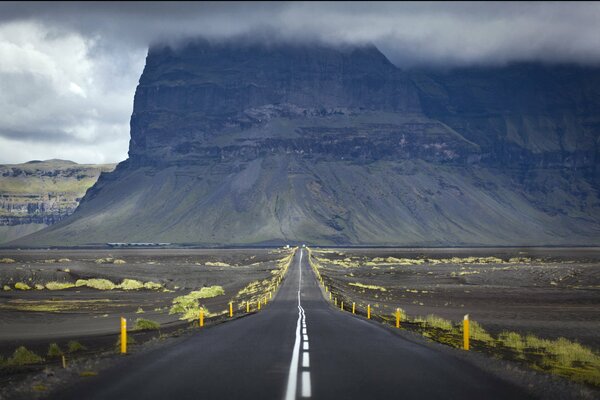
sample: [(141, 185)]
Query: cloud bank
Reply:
[(69, 70)]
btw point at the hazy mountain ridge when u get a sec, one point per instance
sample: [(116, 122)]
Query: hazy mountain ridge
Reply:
[(243, 144), (36, 194)]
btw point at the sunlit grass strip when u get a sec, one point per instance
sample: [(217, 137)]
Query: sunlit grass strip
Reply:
[(365, 286)]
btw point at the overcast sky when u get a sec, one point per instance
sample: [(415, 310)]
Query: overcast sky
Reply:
[(68, 71)]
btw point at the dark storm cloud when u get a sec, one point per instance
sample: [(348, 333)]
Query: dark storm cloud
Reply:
[(410, 33), (68, 71)]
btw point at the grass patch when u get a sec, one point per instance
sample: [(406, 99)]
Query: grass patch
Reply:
[(142, 324), (216, 264), (188, 306), (59, 285), (152, 286), (433, 321), (99, 284), (54, 350), (23, 356), (119, 261), (6, 261), (87, 374), (74, 346), (7, 288), (22, 286), (130, 340), (131, 284), (364, 286)]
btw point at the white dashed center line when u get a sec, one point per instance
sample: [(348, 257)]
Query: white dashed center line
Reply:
[(291, 391)]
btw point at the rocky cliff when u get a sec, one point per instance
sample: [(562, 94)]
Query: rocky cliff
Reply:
[(40, 193), (239, 143)]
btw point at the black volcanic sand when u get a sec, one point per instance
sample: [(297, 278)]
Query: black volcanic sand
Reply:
[(556, 294), (92, 316)]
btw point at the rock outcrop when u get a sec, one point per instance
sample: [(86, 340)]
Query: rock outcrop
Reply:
[(250, 144), (40, 193)]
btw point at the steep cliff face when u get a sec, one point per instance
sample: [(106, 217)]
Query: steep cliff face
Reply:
[(40, 193), (243, 144), (522, 116)]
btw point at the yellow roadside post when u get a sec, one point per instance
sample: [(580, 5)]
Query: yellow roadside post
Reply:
[(466, 332), (397, 318), (123, 335), (201, 317), (270, 295), (330, 296), (335, 301), (64, 362), (342, 306), (353, 308), (230, 309), (247, 306), (258, 305), (369, 311)]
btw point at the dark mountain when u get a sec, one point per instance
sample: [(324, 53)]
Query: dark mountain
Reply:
[(244, 143)]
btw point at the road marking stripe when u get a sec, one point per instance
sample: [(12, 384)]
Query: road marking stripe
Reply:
[(306, 390), (304, 331), (305, 346), (290, 393), (305, 338), (305, 359)]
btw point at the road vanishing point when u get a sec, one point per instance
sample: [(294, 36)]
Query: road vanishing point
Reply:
[(298, 347)]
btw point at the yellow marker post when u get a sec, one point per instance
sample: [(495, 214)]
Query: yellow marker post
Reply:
[(123, 335), (270, 295), (201, 317), (466, 332), (397, 318), (247, 306), (326, 289), (330, 296), (342, 306), (353, 308), (64, 362), (258, 305), (230, 309), (369, 311)]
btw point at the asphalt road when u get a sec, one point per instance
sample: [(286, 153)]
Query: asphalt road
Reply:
[(299, 346)]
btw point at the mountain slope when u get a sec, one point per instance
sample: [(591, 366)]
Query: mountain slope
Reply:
[(36, 194), (243, 144)]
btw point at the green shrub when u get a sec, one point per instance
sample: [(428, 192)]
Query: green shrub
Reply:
[(59, 285), (118, 261), (433, 321), (100, 284), (81, 282), (6, 261), (130, 340), (476, 332), (23, 356), (6, 288), (104, 260), (22, 286), (140, 310), (54, 350), (142, 324), (74, 346), (63, 260), (131, 284), (38, 286), (188, 305), (152, 286)]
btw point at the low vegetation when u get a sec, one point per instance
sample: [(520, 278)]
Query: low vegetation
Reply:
[(188, 306), (6, 260), (142, 324), (216, 264), (365, 286), (23, 356), (74, 346), (22, 286), (54, 350), (59, 285)]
